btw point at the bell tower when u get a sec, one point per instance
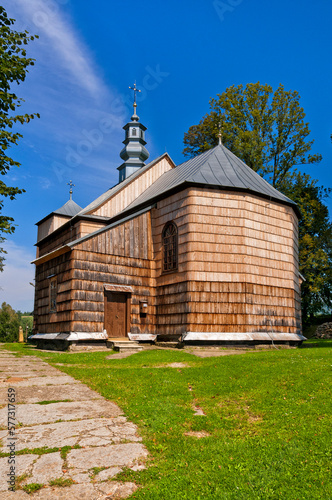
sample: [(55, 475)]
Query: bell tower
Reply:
[(134, 152)]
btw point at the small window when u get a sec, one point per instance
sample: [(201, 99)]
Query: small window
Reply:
[(170, 247), (134, 132), (53, 294)]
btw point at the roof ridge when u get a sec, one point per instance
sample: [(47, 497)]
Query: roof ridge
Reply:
[(104, 197), (216, 167), (198, 156)]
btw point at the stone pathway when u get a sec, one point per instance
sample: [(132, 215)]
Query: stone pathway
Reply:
[(101, 438)]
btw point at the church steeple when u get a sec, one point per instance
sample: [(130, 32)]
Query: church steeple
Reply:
[(134, 153)]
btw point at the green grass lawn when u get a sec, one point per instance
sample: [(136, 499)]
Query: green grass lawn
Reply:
[(267, 420)]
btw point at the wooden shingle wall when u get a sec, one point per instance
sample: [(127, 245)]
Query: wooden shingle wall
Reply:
[(237, 269), (238, 264), (78, 230), (120, 256), (50, 225), (46, 322), (172, 297)]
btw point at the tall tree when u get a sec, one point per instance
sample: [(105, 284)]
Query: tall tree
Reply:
[(265, 129), (14, 65), (315, 242)]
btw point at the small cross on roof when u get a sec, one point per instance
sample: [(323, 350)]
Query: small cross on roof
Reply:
[(70, 183)]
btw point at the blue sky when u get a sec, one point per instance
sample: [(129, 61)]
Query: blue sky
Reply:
[(181, 54)]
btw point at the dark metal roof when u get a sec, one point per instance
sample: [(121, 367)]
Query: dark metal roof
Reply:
[(217, 167), (69, 209)]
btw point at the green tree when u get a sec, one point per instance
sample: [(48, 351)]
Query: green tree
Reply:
[(315, 242), (14, 65), (265, 129), (9, 324)]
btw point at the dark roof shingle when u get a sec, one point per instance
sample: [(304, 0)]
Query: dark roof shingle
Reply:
[(217, 167)]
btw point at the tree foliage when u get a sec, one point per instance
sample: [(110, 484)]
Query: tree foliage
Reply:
[(315, 242), (265, 129), (14, 65), (9, 324)]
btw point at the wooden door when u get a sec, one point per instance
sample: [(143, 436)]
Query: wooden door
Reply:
[(116, 314)]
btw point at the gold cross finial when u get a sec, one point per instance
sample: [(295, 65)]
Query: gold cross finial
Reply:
[(70, 183), (135, 89)]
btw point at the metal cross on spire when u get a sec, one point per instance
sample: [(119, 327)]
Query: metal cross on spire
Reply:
[(70, 183), (135, 89), (220, 132)]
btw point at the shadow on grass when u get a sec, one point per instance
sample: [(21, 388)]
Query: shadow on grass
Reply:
[(317, 343)]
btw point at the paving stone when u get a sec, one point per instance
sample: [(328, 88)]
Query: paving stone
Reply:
[(96, 441), (75, 492), (74, 392), (37, 381), (46, 468), (88, 420), (111, 430), (119, 454), (17, 495), (5, 366), (22, 375), (115, 489), (197, 434), (23, 465), (31, 414), (79, 477), (107, 473)]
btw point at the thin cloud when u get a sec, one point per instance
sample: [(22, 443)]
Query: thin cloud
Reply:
[(70, 50), (15, 288)]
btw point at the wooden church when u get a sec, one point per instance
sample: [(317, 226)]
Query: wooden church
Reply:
[(202, 252)]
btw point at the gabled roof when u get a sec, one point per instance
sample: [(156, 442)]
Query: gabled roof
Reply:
[(69, 209), (217, 167), (115, 189)]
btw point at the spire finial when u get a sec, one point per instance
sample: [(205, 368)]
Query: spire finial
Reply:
[(220, 133), (70, 183), (135, 89)]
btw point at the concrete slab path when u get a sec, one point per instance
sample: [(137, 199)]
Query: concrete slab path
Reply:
[(90, 438)]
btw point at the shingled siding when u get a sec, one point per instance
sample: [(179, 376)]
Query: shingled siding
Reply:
[(238, 264), (172, 299), (46, 321), (242, 263), (79, 229), (120, 256), (50, 225)]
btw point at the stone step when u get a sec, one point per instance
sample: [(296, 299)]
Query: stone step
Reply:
[(170, 345), (124, 345)]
